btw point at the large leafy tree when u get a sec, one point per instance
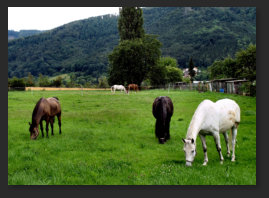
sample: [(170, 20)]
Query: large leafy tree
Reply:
[(137, 52), (166, 71)]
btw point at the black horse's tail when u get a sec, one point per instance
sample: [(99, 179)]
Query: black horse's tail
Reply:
[(162, 109)]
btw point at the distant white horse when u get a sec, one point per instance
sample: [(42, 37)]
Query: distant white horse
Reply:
[(212, 119), (118, 87)]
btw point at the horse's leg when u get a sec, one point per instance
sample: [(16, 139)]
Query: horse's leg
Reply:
[(202, 137), (47, 126), (234, 133), (51, 125), (158, 132), (217, 141), (226, 137), (59, 123), (167, 130), (41, 127)]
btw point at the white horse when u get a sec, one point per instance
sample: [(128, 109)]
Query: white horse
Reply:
[(212, 119), (118, 87)]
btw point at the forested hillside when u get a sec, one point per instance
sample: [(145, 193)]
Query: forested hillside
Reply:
[(205, 34), (82, 47)]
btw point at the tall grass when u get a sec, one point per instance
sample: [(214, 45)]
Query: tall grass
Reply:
[(108, 139)]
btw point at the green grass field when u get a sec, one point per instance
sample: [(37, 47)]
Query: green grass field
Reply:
[(109, 140)]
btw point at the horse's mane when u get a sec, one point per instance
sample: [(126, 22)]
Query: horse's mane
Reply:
[(37, 106), (36, 109)]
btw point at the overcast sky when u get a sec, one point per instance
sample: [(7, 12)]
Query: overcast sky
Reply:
[(46, 18)]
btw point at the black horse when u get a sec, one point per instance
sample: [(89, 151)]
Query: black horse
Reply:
[(162, 110)]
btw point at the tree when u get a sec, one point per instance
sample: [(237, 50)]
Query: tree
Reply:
[(57, 82), (43, 81), (169, 61), (157, 75), (243, 66), (29, 80), (191, 71), (16, 82), (102, 82), (130, 23), (166, 71), (136, 54), (246, 63), (173, 74)]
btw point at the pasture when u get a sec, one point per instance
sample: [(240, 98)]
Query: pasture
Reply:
[(109, 139)]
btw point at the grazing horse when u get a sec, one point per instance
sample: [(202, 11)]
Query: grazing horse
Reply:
[(132, 87), (118, 87), (45, 109), (162, 110), (212, 119)]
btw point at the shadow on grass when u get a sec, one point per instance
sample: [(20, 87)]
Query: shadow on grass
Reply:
[(175, 162)]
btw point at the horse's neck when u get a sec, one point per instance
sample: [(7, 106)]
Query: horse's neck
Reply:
[(36, 118), (195, 125)]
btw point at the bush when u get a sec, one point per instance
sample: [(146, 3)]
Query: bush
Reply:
[(16, 82)]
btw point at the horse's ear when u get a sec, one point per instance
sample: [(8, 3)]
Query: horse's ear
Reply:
[(183, 140), (192, 140)]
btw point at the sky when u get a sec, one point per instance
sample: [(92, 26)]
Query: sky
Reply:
[(46, 18)]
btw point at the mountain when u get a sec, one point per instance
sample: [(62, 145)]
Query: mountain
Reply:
[(81, 47), (22, 33)]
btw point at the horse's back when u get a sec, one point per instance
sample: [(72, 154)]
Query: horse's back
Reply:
[(55, 107), (229, 113), (160, 103), (229, 107)]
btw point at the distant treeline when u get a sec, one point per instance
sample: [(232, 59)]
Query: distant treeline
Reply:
[(22, 33)]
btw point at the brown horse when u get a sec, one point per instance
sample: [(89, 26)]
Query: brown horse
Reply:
[(133, 87), (45, 109)]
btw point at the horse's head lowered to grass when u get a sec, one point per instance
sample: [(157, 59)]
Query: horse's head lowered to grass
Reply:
[(189, 150), (34, 132)]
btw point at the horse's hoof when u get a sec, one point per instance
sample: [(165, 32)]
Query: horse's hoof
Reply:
[(233, 160), (162, 140), (205, 163), (221, 162)]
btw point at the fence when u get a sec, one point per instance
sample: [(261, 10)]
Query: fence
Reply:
[(233, 87)]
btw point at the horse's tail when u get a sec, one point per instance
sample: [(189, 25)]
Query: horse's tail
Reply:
[(164, 111)]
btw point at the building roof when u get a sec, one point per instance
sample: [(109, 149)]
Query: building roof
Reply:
[(238, 81), (223, 79)]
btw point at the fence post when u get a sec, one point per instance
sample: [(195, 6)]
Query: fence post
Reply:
[(81, 90)]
